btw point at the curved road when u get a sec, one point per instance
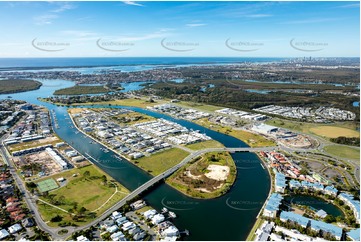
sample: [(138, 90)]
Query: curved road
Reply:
[(31, 200)]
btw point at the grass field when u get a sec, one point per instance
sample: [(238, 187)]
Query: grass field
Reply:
[(162, 161), (78, 90), (198, 106), (199, 167), (253, 140), (343, 151), (88, 191), (132, 118), (334, 132), (348, 127), (205, 144)]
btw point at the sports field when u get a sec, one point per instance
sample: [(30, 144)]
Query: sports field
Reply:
[(334, 132), (47, 185)]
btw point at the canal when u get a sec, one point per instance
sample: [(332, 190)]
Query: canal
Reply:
[(229, 217)]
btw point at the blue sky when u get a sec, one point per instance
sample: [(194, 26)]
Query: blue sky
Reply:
[(234, 29)]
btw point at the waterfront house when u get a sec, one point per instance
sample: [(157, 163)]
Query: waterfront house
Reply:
[(331, 190), (294, 184), (171, 231), (158, 218), (326, 228), (272, 205), (353, 204), (296, 218), (280, 182), (14, 228), (3, 234)]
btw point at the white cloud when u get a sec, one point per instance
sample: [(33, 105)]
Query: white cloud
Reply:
[(45, 19), (258, 15), (351, 5), (195, 25), (63, 7), (133, 3), (311, 21)]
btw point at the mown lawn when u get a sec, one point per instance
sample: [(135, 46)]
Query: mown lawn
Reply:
[(85, 189), (343, 151), (162, 161), (340, 129), (205, 144)]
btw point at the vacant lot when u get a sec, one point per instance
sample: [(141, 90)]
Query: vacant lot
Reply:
[(85, 187), (205, 144), (308, 127), (198, 106), (27, 145), (343, 151), (334, 132), (253, 140), (162, 161), (14, 86)]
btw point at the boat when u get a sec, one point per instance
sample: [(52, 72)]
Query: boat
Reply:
[(10, 97), (164, 210), (172, 214)]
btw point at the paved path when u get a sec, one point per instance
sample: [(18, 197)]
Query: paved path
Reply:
[(54, 231)]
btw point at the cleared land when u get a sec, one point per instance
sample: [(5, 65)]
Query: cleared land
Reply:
[(308, 127), (253, 140), (78, 90), (86, 187), (208, 176), (13, 86), (334, 132), (132, 118), (35, 143), (205, 144), (343, 151), (162, 161), (199, 106)]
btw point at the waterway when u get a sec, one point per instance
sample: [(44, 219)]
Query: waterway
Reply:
[(315, 203), (229, 217)]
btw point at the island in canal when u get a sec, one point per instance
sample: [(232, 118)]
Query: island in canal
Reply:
[(208, 176), (18, 85), (156, 145)]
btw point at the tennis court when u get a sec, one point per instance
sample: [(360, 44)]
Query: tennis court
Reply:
[(47, 185)]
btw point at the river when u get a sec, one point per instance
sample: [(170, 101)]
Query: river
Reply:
[(229, 217)]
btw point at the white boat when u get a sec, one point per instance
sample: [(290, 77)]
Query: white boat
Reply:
[(172, 214), (164, 210)]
